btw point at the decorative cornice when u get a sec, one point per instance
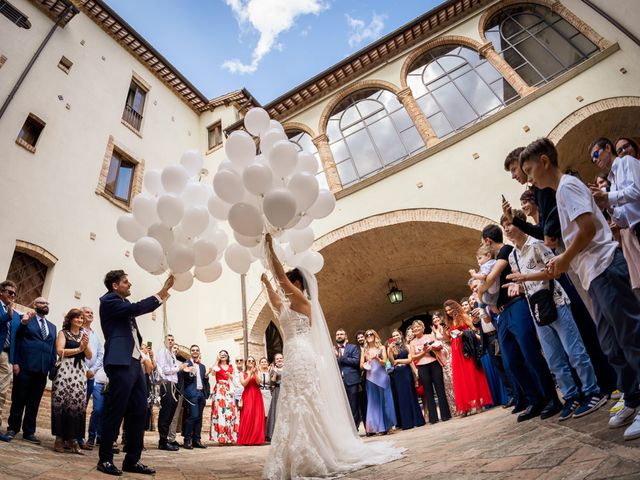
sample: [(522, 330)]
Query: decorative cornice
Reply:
[(54, 8)]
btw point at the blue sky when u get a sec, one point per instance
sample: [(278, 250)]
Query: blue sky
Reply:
[(266, 46)]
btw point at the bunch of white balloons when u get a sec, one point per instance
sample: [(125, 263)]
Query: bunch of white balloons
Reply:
[(173, 223), (275, 191), (171, 226)]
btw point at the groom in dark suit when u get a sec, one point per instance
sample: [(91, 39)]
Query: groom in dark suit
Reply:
[(348, 356), (196, 392), (33, 355), (126, 395)]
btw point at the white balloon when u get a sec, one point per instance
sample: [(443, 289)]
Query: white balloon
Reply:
[(228, 186), (247, 241), (148, 254), (276, 124), (279, 207), (163, 268), (163, 234), (257, 251), (205, 252), (301, 240), (180, 258), (312, 261), (218, 208), (143, 207), (245, 219), (220, 238), (183, 281), (287, 253), (307, 163), (174, 178), (238, 258), (129, 228), (257, 178), (192, 161), (153, 182), (279, 251), (305, 189), (226, 165), (170, 209), (323, 206), (240, 148), (270, 138), (195, 193), (256, 121), (283, 157), (195, 220), (209, 273), (295, 260), (304, 222), (182, 237)]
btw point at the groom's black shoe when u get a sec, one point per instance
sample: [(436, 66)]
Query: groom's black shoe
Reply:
[(109, 468), (198, 444), (138, 468)]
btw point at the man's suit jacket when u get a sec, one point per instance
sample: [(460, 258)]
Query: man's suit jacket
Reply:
[(117, 318), (349, 364), (32, 352), (5, 328), (190, 385)]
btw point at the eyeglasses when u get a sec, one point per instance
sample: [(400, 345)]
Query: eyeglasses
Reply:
[(595, 156), (11, 293), (42, 303), (239, 361), (370, 334), (623, 148)]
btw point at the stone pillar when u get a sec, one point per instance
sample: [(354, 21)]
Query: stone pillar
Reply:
[(420, 121), (582, 27), (326, 157), (507, 72)]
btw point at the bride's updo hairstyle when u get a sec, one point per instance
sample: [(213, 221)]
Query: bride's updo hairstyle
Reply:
[(296, 276)]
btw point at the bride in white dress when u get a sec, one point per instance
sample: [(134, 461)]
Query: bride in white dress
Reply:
[(314, 435)]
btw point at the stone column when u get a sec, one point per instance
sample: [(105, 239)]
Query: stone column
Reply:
[(420, 121), (506, 70), (326, 157)]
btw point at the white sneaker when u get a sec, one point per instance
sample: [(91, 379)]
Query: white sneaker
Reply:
[(617, 407), (623, 417), (633, 431)]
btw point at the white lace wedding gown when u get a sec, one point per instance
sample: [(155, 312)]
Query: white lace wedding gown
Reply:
[(310, 440)]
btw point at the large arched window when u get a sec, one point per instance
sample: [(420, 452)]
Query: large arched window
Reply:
[(303, 141), (368, 131), (537, 43), (454, 86)]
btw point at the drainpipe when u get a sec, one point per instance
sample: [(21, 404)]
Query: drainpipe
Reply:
[(245, 323), (16, 87), (613, 21)]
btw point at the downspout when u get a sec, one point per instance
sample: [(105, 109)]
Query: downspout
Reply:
[(613, 21), (16, 87)]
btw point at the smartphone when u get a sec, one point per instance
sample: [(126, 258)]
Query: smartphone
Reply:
[(149, 344), (503, 199)]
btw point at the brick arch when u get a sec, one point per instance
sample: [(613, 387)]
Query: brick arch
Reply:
[(259, 314), (37, 252), (437, 42), (345, 92), (288, 126), (553, 5), (570, 121)]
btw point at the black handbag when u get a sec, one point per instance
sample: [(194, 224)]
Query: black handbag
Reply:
[(53, 373), (541, 303)]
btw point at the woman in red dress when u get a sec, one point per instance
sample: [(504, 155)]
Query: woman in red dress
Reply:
[(470, 385), (251, 431)]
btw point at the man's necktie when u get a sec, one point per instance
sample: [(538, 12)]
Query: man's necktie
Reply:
[(43, 328)]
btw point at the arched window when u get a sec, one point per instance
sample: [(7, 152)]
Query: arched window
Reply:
[(273, 341), (304, 143), (537, 43), (29, 273), (455, 87), (368, 131)]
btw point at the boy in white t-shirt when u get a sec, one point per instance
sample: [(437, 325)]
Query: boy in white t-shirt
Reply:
[(595, 257)]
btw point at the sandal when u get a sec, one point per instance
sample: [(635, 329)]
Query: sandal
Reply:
[(58, 445), (75, 448)]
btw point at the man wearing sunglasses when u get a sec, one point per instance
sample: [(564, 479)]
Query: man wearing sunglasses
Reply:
[(9, 319), (623, 200)]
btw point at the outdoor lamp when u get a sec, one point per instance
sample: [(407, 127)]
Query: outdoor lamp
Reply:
[(394, 294)]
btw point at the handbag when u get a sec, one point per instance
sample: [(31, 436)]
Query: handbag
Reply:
[(53, 373), (541, 303)]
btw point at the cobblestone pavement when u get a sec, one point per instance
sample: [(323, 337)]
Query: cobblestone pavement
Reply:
[(490, 445)]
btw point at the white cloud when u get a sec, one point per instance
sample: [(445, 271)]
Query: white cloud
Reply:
[(269, 18), (360, 32)]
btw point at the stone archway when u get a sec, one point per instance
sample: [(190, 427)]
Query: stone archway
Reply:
[(427, 251), (610, 117)]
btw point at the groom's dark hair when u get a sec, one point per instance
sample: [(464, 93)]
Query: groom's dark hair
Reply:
[(294, 275)]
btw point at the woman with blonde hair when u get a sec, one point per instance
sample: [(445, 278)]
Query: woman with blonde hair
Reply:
[(381, 415), (423, 350), (441, 332)]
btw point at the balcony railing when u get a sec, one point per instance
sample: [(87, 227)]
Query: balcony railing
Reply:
[(132, 117)]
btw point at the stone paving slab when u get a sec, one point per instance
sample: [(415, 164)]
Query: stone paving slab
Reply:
[(487, 446)]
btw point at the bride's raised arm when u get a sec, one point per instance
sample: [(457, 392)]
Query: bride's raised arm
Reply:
[(274, 299), (299, 302)]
